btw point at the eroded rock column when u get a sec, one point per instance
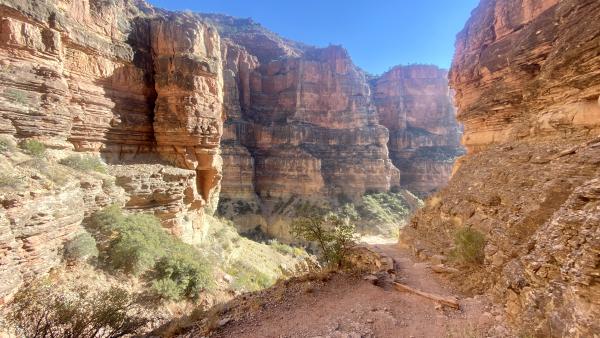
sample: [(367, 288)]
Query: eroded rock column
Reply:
[(189, 85)]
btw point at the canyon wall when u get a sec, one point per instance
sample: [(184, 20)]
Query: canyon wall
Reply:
[(141, 87), (304, 123), (181, 106), (415, 104), (527, 81)]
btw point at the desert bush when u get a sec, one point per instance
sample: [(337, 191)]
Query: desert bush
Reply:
[(32, 147), (281, 248), (84, 163), (468, 246), (42, 310), (81, 248), (137, 244), (181, 275), (334, 235)]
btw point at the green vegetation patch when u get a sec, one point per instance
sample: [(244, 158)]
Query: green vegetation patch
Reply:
[(248, 278), (34, 148), (469, 244), (334, 235), (84, 163), (81, 248), (138, 245)]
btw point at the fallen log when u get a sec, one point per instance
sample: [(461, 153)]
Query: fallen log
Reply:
[(441, 268), (445, 300)]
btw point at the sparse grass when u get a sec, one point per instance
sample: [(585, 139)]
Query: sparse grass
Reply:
[(248, 278), (84, 163), (469, 244), (34, 148), (137, 244), (287, 250), (6, 145), (10, 180)]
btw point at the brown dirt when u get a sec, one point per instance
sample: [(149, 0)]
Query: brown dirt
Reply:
[(343, 306)]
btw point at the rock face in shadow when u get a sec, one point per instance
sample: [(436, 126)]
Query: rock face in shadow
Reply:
[(527, 81), (414, 103)]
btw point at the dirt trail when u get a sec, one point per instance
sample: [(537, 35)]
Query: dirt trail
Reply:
[(353, 307)]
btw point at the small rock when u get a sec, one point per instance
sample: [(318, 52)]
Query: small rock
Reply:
[(224, 321), (438, 259)]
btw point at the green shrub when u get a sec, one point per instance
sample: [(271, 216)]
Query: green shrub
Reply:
[(137, 244), (181, 274), (469, 244), (384, 207), (334, 235), (84, 163), (34, 148), (42, 309), (81, 248)]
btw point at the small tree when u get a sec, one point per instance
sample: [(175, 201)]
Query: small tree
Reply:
[(334, 235)]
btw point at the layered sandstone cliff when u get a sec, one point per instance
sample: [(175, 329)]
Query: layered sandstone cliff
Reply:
[(414, 103), (140, 87), (527, 81)]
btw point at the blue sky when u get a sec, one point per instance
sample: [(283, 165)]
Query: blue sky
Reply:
[(378, 34)]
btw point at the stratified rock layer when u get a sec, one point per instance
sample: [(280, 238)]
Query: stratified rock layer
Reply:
[(415, 104), (308, 124), (527, 82), (116, 78)]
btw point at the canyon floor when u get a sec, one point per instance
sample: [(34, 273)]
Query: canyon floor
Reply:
[(345, 306)]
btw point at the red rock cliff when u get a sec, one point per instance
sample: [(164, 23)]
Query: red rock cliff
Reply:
[(415, 104), (138, 86), (527, 81)]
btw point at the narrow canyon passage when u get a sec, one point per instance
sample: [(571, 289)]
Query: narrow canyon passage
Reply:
[(354, 307)]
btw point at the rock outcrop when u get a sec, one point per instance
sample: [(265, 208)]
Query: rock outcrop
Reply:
[(141, 87), (414, 103), (309, 126), (527, 81)]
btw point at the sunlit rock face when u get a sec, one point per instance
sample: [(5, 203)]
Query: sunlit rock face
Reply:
[(308, 125), (141, 87), (527, 81), (415, 104)]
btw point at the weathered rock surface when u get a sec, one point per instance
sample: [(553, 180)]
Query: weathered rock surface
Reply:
[(308, 124), (117, 78), (415, 104), (527, 82)]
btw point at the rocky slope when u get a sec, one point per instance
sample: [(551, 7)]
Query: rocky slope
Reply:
[(527, 81)]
